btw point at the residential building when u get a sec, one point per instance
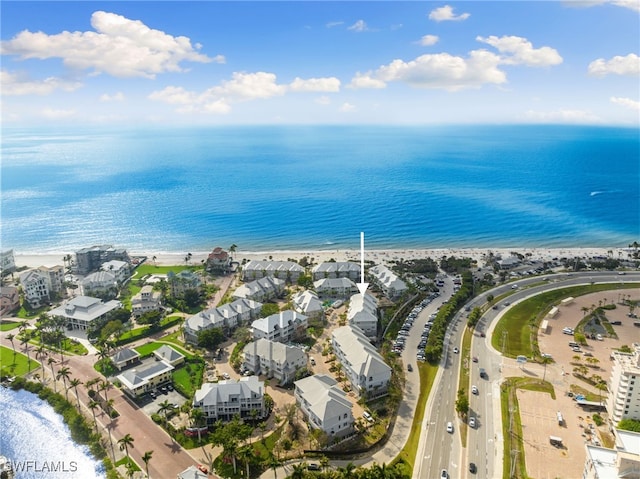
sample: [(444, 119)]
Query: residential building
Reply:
[(509, 263), (226, 317), (120, 269), (623, 401), (138, 381), (337, 269), (9, 300), (7, 262), (274, 360), (623, 461), (35, 287), (325, 404), (192, 472), (81, 311), (226, 399), (391, 285), (55, 279), (308, 303), (263, 289), (219, 261), (125, 358), (335, 288), (91, 259), (183, 281), (146, 300), (169, 355), (286, 270), (283, 327), (100, 283), (367, 372), (363, 313)]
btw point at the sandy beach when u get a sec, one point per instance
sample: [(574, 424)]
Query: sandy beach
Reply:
[(377, 256)]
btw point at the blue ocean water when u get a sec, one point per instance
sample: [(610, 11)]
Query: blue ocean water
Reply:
[(37, 442), (316, 187)]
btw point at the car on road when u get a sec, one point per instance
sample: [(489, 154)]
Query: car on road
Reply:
[(456, 350), (515, 286), (226, 375), (472, 468), (475, 359), (450, 427), (444, 474), (313, 361), (483, 373), (472, 422), (409, 367), (474, 389), (313, 466), (482, 335)]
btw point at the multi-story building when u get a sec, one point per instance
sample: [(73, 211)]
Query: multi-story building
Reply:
[(219, 261), (336, 269), (100, 283), (623, 401), (9, 300), (308, 303), (183, 281), (7, 262), (367, 372), (621, 462), (226, 317), (274, 360), (263, 289), (226, 399), (91, 259), (120, 269), (35, 287), (282, 327), (391, 285), (136, 382), (363, 313), (286, 270), (335, 288), (81, 311), (325, 404), (145, 301)]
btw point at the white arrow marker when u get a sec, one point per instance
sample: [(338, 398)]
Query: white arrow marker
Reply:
[(362, 286)]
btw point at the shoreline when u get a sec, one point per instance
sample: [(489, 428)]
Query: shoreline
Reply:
[(31, 260)]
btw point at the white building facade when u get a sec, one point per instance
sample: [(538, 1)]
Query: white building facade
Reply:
[(226, 317), (282, 327), (274, 360), (363, 313), (336, 269), (226, 399), (388, 281), (285, 270), (623, 401)]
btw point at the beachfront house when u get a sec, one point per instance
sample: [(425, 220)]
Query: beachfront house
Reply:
[(325, 404), (336, 269), (138, 381), (100, 283), (226, 399), (145, 301), (80, 312), (9, 300), (273, 360), (283, 327), (286, 270), (363, 313), (120, 269), (91, 259), (183, 281), (335, 288), (392, 286), (263, 289), (218, 261), (226, 317), (308, 303), (365, 368)]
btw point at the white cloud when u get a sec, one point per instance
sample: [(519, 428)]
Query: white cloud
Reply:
[(428, 40), (174, 96), (323, 100), (630, 4), (365, 80), (445, 13), (359, 26), (119, 47), (562, 116), (105, 97), (249, 86), (629, 65), (334, 24), (330, 84), (347, 107), (626, 102), (16, 84), (519, 50), (52, 114)]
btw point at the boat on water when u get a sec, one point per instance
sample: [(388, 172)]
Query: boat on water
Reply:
[(6, 471)]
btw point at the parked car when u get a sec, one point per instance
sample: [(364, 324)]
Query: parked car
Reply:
[(367, 416)]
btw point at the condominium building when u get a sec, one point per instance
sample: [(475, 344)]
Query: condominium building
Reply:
[(274, 360), (363, 313), (308, 303), (335, 288), (263, 289), (226, 399), (120, 269), (42, 284), (100, 283), (391, 285), (336, 269), (623, 461), (7, 262), (91, 259), (367, 372), (226, 317), (325, 405), (623, 401), (286, 270), (283, 327)]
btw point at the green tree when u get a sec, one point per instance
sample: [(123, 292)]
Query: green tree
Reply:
[(210, 338), (268, 309), (125, 443), (93, 405), (152, 318), (64, 373), (305, 280), (74, 383), (164, 409), (146, 457), (197, 417), (11, 337), (629, 425), (545, 360), (192, 298), (462, 403)]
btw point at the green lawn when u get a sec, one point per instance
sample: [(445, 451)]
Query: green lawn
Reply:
[(8, 325), (15, 365), (150, 268), (188, 378)]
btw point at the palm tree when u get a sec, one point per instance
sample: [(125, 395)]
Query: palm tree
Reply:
[(125, 443), (64, 373), (93, 405), (146, 457), (545, 360), (104, 386), (154, 260), (41, 352), (74, 383), (197, 416), (11, 337), (51, 362), (298, 471), (26, 337), (165, 407)]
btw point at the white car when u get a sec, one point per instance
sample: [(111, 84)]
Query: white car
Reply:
[(456, 350), (472, 422), (367, 416), (474, 390), (450, 427), (444, 474)]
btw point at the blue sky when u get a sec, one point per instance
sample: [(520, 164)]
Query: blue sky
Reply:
[(184, 63)]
